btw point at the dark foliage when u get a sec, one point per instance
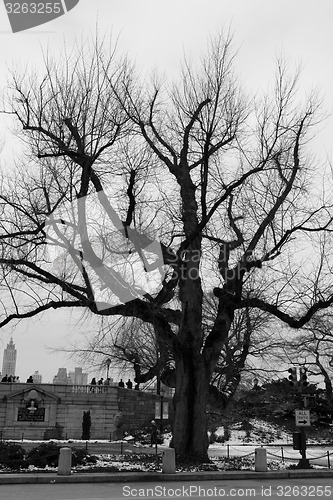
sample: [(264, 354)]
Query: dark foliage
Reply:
[(12, 455), (43, 455), (86, 425)]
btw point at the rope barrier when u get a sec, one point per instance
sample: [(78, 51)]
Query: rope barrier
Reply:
[(314, 458), (281, 457)]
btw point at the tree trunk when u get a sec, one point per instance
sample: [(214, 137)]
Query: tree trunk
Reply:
[(190, 437)]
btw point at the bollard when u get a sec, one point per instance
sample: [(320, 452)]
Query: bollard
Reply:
[(168, 461), (260, 460), (65, 462)]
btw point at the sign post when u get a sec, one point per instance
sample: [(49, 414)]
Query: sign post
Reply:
[(302, 420)]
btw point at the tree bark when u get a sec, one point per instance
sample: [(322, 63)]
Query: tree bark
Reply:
[(190, 426)]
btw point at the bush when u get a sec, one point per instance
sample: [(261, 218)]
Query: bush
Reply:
[(80, 457), (48, 454), (43, 455), (12, 455), (143, 435)]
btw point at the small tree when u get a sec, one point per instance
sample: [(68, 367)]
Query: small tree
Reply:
[(86, 425)]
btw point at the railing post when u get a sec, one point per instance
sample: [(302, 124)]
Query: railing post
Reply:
[(328, 459), (282, 454), (260, 460), (65, 462), (168, 461)]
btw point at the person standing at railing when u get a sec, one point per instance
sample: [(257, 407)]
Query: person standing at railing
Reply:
[(93, 383), (129, 384)]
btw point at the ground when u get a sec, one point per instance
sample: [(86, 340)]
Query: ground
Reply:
[(136, 454)]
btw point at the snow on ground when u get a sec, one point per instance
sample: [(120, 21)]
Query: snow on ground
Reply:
[(260, 432)]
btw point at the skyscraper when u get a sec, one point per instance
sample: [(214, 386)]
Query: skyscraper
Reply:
[(9, 359), (78, 377), (37, 377)]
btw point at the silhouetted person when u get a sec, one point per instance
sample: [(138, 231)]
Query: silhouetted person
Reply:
[(121, 383), (100, 382), (136, 388), (4, 379), (92, 383), (10, 379), (30, 380), (129, 384)]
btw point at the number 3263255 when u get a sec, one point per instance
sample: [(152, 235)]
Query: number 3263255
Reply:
[(34, 8), (304, 491)]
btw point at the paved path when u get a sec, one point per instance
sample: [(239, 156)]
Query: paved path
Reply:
[(309, 488)]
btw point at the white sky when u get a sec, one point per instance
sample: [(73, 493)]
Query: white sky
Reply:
[(157, 35)]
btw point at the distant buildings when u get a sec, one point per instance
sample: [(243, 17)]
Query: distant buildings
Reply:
[(37, 377), (61, 377), (76, 377), (9, 359)]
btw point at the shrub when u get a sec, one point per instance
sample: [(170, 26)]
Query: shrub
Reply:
[(43, 455), (80, 457), (12, 455), (86, 425), (48, 454)]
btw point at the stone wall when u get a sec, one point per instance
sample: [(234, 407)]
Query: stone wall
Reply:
[(113, 410)]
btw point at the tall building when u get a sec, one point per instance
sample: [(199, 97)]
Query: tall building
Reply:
[(61, 377), (9, 359), (37, 377), (77, 377)]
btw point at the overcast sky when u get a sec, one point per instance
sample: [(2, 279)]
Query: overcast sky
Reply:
[(157, 35)]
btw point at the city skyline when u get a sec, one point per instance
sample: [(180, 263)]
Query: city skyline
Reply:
[(57, 362)]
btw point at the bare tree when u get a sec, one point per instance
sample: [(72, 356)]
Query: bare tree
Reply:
[(222, 184), (314, 348)]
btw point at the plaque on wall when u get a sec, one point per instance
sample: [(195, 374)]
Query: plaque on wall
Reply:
[(31, 413)]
